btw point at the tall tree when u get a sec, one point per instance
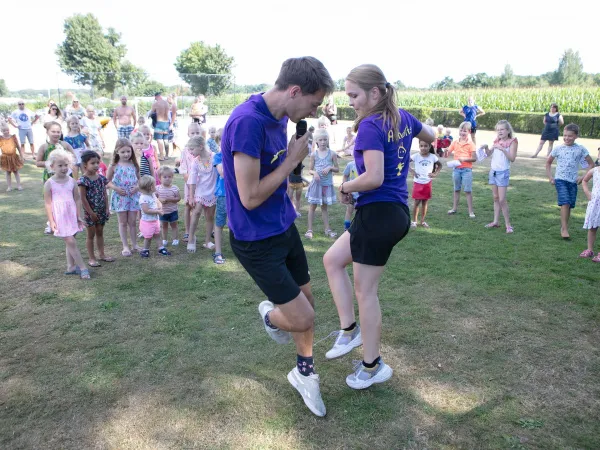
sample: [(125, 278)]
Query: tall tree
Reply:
[(507, 79), (399, 85), (340, 84), (88, 55), (445, 84), (570, 69), (205, 68), (3, 88)]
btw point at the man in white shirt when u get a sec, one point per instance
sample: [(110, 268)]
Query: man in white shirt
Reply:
[(21, 119)]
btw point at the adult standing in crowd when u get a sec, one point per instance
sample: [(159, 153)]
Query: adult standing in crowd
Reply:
[(75, 110), (256, 164), (382, 155), (173, 120), (53, 115), (23, 119), (199, 110), (161, 108), (553, 120), (471, 112), (124, 119)]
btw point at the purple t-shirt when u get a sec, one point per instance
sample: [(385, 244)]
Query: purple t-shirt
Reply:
[(372, 135), (252, 129)]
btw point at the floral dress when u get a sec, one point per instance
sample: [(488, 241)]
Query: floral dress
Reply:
[(592, 214), (95, 193), (125, 177)]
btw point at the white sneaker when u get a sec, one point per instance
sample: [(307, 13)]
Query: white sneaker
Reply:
[(164, 243), (345, 343), (472, 215), (413, 225), (47, 230), (363, 378), (140, 235), (175, 242), (279, 336), (308, 387)]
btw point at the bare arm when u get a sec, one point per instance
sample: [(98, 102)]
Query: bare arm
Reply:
[(146, 209), (426, 134), (48, 205), (84, 202), (115, 117), (588, 176), (134, 117), (480, 112), (561, 119), (511, 154), (473, 158), (220, 170), (590, 162), (462, 113), (549, 169), (254, 190), (12, 122), (372, 178)]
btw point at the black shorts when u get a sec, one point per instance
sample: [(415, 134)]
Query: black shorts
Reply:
[(277, 264), (375, 230), (473, 129)]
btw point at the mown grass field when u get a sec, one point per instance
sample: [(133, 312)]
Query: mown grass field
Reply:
[(494, 339)]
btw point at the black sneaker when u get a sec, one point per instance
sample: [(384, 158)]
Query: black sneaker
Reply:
[(163, 251), (145, 253)]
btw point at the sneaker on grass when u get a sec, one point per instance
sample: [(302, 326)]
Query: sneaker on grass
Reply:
[(345, 342), (279, 336), (362, 378), (308, 387)]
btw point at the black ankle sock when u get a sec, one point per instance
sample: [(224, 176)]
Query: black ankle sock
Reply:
[(373, 364), (305, 365), (268, 322), (351, 327)]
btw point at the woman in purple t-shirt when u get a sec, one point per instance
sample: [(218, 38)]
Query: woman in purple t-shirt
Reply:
[(382, 156)]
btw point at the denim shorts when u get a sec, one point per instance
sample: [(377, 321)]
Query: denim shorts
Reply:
[(463, 178), (221, 213), (567, 192), (26, 134), (169, 218), (499, 177)]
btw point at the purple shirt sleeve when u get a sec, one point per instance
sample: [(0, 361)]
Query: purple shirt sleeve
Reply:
[(369, 137), (247, 136)]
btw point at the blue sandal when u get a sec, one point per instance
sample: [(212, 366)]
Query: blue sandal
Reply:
[(77, 271), (218, 258), (85, 274)]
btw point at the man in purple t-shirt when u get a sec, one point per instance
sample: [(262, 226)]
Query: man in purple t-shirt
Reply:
[(257, 161)]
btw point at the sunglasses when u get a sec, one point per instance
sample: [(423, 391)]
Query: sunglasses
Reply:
[(54, 109), (21, 104)]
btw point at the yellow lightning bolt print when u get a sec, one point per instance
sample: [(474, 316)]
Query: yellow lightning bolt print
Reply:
[(400, 167)]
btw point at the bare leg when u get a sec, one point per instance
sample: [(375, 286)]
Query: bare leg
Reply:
[(73, 250), (298, 199), (456, 200), (218, 239), (122, 218), (469, 196), (175, 231), (416, 211), (161, 148), (591, 238), (424, 204), (18, 179), (366, 284), (349, 211), (565, 214), (100, 241), (70, 260), (186, 218), (209, 217), (75, 172), (89, 243), (325, 215), (550, 147), (8, 181), (336, 259), (539, 148), (131, 219), (32, 148), (496, 204), (297, 316), (164, 229), (503, 205), (195, 216), (311, 216), (147, 243)]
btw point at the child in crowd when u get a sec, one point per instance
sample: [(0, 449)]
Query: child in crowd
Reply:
[(123, 176), (151, 209), (150, 151), (185, 166), (295, 187), (62, 203), (462, 175), (168, 195), (426, 167), (77, 140), (94, 198), (348, 144), (592, 214), (221, 213), (202, 182), (10, 161), (503, 152), (138, 142), (323, 162), (442, 141), (212, 144), (568, 156), (350, 173)]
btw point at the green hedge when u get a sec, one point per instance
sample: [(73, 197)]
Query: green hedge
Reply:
[(521, 122)]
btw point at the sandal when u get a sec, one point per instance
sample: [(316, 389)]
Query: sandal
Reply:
[(330, 234), (85, 274), (452, 211), (413, 225), (596, 258), (218, 258), (107, 259), (75, 271), (186, 237), (126, 253), (424, 224), (509, 230), (208, 245), (308, 234), (94, 264), (583, 254), (492, 225), (191, 247)]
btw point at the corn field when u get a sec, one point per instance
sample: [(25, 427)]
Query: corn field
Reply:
[(568, 99)]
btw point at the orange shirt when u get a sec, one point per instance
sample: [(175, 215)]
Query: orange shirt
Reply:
[(462, 150)]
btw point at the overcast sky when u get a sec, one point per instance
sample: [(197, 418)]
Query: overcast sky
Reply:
[(416, 44)]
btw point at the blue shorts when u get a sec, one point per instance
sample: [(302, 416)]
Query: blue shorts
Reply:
[(26, 134), (221, 214), (161, 130), (567, 192), (169, 218), (463, 178), (499, 177)]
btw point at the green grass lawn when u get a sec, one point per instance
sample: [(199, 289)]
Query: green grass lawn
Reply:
[(494, 340)]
